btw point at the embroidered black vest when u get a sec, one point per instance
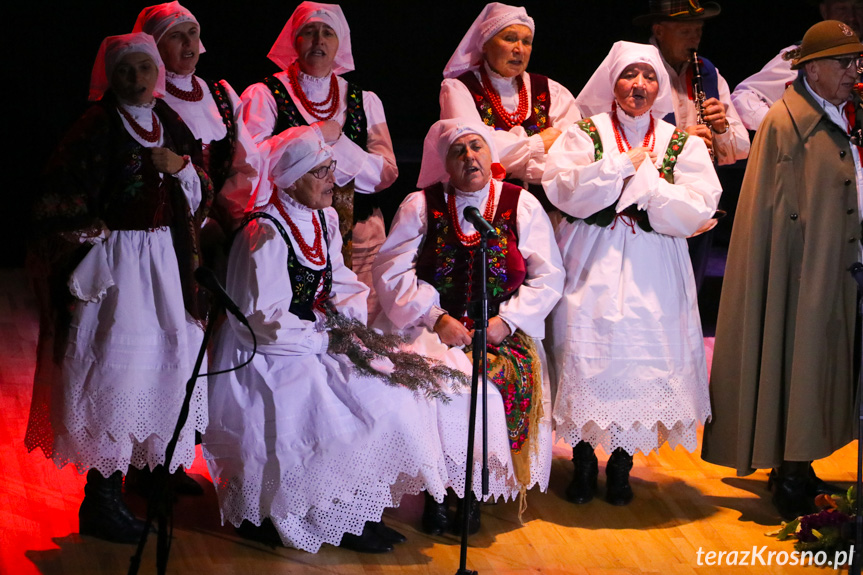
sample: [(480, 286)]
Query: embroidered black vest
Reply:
[(304, 281), (221, 152)]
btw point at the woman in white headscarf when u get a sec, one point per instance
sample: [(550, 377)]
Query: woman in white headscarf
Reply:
[(626, 337), (302, 448), (115, 228), (208, 108), (486, 79), (426, 277), (313, 49)]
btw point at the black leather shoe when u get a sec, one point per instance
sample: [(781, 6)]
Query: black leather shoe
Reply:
[(368, 542), (791, 496), (814, 486), (473, 524), (265, 533), (582, 488), (388, 534), (435, 521), (104, 514), (618, 491)]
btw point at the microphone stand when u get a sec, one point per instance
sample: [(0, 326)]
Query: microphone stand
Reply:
[(857, 559), (479, 314), (159, 503)]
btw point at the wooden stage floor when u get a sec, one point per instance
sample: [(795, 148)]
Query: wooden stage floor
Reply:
[(682, 505)]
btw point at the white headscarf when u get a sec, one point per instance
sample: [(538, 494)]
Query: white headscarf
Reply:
[(292, 153), (112, 50), (441, 136), (157, 20), (493, 18), (598, 94), (283, 52)]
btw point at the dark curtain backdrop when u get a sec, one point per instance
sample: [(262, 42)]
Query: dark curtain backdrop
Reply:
[(400, 49)]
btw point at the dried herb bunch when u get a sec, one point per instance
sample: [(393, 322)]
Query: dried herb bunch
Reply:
[(378, 355)]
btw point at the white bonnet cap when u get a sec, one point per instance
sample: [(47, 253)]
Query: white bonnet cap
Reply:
[(283, 52), (440, 137), (157, 20), (112, 50), (493, 18), (292, 153), (598, 94)]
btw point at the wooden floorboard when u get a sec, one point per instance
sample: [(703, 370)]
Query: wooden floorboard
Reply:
[(682, 505)]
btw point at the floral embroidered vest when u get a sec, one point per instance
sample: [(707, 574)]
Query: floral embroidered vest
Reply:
[(535, 123), (304, 281), (447, 264)]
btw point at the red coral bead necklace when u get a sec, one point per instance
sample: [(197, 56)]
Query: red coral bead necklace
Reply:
[(620, 136), (196, 94), (314, 253), (511, 119), (323, 110), (488, 214), (152, 135)]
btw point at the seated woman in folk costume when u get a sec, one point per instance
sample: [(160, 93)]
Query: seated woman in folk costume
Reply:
[(427, 277), (308, 444)]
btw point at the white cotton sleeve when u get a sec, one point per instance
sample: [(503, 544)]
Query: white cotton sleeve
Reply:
[(406, 300)]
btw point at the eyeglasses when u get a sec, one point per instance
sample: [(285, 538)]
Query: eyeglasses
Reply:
[(846, 62), (323, 171)]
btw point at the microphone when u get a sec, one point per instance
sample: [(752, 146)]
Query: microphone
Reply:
[(207, 278), (472, 215)]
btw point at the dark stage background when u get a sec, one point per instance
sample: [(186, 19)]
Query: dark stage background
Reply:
[(400, 49)]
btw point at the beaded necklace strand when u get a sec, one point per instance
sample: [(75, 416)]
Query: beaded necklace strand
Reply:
[(146, 135), (323, 110), (511, 119), (620, 136), (488, 214), (196, 94), (315, 253)]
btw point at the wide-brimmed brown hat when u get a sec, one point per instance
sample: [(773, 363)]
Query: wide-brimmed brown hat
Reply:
[(823, 40), (677, 11)]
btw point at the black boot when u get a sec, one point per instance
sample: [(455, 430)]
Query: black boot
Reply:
[(618, 491), (387, 533), (582, 488), (368, 542), (103, 512), (791, 486), (435, 521), (473, 524)]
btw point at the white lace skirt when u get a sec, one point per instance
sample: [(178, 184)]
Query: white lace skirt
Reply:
[(320, 451), (115, 398), (627, 341), (453, 420)]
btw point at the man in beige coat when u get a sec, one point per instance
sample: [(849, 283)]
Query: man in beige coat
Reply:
[(783, 380)]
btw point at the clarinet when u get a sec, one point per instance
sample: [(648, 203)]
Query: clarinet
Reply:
[(699, 96)]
